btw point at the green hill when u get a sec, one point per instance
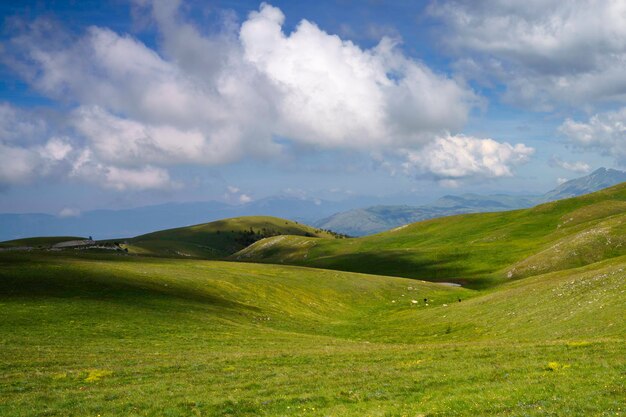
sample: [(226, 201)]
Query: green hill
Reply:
[(111, 334), (376, 219), (94, 334), (475, 249), (36, 242), (220, 238)]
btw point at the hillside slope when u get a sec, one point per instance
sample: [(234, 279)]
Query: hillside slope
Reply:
[(37, 242), (376, 219), (218, 239), (473, 249), (119, 335)]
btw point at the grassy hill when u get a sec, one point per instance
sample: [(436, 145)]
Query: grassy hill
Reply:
[(538, 330), (475, 249), (36, 242), (94, 334), (218, 239), (376, 219)]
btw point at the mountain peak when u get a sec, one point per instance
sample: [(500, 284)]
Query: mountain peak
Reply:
[(597, 180)]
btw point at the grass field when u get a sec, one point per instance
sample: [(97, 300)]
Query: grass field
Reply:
[(477, 250), (218, 239), (37, 241), (539, 328), (108, 335)]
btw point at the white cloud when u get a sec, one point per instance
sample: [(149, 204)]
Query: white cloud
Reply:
[(17, 165), (456, 157), (244, 198), (20, 165), (26, 152), (604, 132), (547, 52), (69, 212), (578, 166), (86, 168), (213, 99), (19, 126), (56, 149), (136, 179), (235, 195), (561, 181), (334, 94)]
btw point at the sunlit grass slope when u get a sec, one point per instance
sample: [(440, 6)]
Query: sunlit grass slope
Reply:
[(475, 249), (121, 335), (219, 238), (37, 241)]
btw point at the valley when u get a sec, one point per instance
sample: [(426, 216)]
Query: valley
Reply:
[(532, 330)]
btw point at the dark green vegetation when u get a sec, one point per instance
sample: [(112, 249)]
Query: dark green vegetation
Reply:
[(542, 332), (478, 250), (220, 238)]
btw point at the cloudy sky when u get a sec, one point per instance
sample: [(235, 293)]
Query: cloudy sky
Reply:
[(121, 104)]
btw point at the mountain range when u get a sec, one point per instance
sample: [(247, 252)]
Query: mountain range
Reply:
[(375, 219), (341, 217)]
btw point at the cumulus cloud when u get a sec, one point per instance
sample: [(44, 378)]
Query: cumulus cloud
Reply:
[(89, 169), (244, 198), (69, 212), (309, 85), (145, 178), (546, 52), (235, 195), (213, 97), (38, 154), (578, 166), (450, 158), (604, 132), (17, 164), (335, 94), (20, 126), (22, 164)]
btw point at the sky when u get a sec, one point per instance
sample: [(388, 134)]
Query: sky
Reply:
[(118, 104)]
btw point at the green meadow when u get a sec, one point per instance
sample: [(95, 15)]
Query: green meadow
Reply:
[(218, 239), (476, 250), (538, 329)]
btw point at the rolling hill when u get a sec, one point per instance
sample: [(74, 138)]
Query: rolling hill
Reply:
[(37, 241), (375, 219), (537, 329), (218, 239), (89, 334), (116, 223), (472, 249)]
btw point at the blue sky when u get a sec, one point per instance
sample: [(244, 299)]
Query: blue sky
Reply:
[(120, 104)]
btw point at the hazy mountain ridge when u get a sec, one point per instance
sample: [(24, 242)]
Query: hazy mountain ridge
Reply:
[(377, 219), (109, 224), (340, 217), (597, 180)]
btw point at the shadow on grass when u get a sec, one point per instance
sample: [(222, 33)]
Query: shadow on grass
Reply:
[(454, 268), (32, 276)]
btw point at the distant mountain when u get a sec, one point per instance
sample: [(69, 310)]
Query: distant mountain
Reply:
[(109, 224), (370, 220), (375, 219), (341, 217), (597, 180)]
